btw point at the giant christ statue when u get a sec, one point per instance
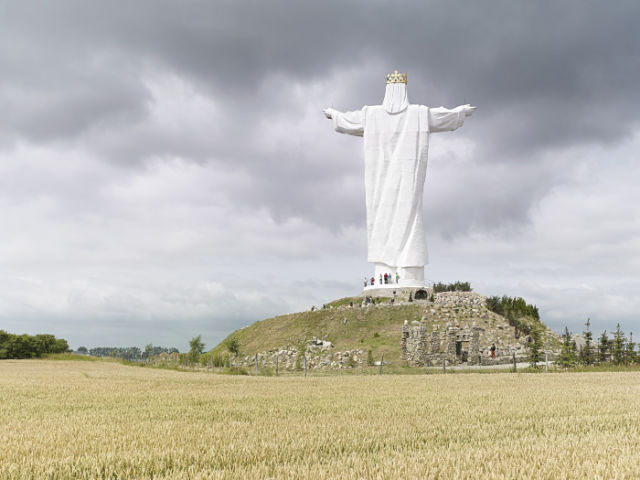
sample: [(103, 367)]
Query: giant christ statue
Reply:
[(396, 143)]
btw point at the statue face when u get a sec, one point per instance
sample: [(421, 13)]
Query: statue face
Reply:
[(395, 97)]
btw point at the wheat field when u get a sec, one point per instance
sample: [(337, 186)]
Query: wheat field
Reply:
[(70, 419)]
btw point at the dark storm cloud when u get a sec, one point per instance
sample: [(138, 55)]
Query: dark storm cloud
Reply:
[(545, 76), (187, 136), (573, 58)]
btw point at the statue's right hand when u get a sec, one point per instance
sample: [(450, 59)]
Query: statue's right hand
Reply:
[(327, 113), (469, 110)]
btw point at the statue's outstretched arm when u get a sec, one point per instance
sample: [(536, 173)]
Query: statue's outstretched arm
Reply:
[(328, 112), (351, 123), (445, 120), (469, 109)]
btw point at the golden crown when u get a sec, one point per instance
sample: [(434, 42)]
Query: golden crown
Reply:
[(396, 77)]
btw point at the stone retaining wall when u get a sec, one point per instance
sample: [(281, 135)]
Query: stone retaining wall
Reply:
[(458, 328), (318, 354)]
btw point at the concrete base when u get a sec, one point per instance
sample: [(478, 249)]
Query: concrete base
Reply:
[(401, 291), (403, 276)]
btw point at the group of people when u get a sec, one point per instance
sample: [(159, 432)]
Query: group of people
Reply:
[(372, 301), (385, 279)]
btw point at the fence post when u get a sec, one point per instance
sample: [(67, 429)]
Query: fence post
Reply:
[(381, 363), (256, 364), (276, 364), (514, 362), (304, 358), (444, 365)]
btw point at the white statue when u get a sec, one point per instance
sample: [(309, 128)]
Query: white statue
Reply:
[(396, 142)]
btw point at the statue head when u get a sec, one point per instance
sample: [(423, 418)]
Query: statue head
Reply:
[(395, 95)]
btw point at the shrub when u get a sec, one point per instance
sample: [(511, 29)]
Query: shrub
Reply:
[(236, 371), (196, 347), (233, 345), (452, 287), (221, 360), (516, 311), (28, 346)]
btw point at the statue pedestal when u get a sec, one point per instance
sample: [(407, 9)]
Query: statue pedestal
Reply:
[(409, 276), (402, 292)]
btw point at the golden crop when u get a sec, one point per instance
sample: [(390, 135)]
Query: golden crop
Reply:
[(106, 420)]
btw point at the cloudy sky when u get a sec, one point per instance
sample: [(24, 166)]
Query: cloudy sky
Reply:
[(166, 170)]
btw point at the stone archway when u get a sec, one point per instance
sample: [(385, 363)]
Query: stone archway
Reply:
[(420, 295)]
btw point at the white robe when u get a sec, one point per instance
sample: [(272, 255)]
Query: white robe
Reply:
[(395, 151)]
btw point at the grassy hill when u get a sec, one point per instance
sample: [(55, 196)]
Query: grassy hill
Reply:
[(376, 328)]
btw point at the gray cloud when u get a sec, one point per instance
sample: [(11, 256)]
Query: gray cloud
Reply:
[(191, 133)]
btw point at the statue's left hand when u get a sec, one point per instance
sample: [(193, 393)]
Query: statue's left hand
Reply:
[(469, 110), (327, 113)]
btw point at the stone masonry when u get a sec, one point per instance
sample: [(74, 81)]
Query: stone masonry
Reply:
[(458, 328)]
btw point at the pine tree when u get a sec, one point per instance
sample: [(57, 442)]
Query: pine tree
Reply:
[(587, 350), (618, 346), (603, 346), (535, 348), (567, 355), (631, 349)]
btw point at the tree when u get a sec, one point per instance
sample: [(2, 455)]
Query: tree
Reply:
[(631, 349), (517, 311), (603, 346), (618, 346), (452, 287), (197, 346), (28, 346), (44, 343), (233, 345), (535, 349), (587, 350), (567, 354), (83, 350), (21, 346)]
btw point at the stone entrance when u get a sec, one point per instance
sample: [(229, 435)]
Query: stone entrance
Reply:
[(453, 345), (421, 295)]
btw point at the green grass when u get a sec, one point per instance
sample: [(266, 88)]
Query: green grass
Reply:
[(351, 328), (347, 328), (76, 357), (343, 302), (396, 368)]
